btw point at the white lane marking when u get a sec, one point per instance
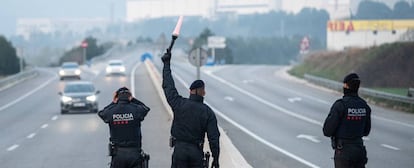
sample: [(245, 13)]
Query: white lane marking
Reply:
[(328, 103), (291, 113), (281, 109), (13, 147), (27, 94), (306, 96), (31, 136), (294, 99), (133, 78), (253, 135), (54, 118), (365, 138), (308, 137), (44, 126), (228, 98), (390, 147)]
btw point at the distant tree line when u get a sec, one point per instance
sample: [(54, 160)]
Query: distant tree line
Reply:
[(376, 10), (255, 50), (76, 54), (9, 62), (310, 22)]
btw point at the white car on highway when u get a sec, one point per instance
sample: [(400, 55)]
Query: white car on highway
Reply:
[(115, 67), (69, 70)]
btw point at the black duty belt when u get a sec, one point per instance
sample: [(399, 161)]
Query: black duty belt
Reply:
[(351, 141), (199, 145), (127, 144)]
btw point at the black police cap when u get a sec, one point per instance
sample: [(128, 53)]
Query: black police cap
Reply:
[(123, 90), (197, 84), (351, 77)]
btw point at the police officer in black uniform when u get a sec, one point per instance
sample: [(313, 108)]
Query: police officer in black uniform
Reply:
[(124, 116), (192, 120), (348, 121)]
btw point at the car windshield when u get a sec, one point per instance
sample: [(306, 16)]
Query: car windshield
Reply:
[(115, 64), (76, 88), (70, 66)]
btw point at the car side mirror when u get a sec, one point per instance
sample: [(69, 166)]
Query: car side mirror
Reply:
[(98, 91), (60, 93)]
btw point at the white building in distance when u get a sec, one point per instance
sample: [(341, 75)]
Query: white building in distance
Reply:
[(147, 9), (27, 26)]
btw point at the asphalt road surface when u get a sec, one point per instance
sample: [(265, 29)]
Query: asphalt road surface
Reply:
[(274, 120), (35, 134)]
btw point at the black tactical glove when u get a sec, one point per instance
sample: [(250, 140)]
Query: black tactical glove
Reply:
[(215, 163), (166, 58)]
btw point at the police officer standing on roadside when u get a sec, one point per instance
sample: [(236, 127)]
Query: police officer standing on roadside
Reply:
[(192, 120), (348, 121), (124, 116)]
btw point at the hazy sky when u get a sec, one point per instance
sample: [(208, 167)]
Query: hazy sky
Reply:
[(10, 10)]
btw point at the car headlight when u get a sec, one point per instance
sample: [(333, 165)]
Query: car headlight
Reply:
[(91, 98), (108, 69), (122, 69), (66, 99), (77, 72), (61, 72)]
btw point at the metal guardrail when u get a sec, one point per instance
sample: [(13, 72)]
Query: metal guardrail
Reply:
[(16, 78), (410, 92), (362, 91)]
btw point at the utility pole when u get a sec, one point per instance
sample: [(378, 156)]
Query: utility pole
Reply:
[(21, 59), (19, 53)]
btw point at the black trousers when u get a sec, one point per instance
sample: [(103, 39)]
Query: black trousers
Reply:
[(187, 155), (351, 156), (126, 158)]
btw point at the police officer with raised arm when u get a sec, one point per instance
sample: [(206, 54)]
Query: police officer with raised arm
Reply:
[(124, 116), (348, 121), (192, 120)]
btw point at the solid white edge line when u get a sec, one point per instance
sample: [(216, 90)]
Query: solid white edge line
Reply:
[(253, 135), (13, 147), (27, 94), (31, 136), (281, 109), (44, 126), (132, 77), (390, 147)]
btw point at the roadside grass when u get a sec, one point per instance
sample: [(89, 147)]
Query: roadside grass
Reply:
[(366, 61)]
